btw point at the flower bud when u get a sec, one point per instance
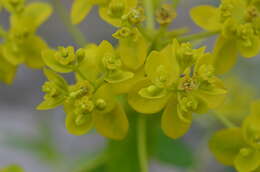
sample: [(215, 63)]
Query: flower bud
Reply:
[(188, 84), (111, 62), (80, 89), (14, 6), (165, 15), (50, 89), (116, 8), (101, 104), (225, 11), (123, 32), (245, 32), (136, 16), (65, 56), (251, 14), (245, 152)]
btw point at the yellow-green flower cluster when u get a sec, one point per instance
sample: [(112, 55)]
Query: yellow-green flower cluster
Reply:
[(178, 79), (181, 81), (238, 22), (240, 147), (21, 44), (174, 78)]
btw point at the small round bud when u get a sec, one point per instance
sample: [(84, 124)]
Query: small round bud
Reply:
[(245, 152), (101, 104), (152, 89)]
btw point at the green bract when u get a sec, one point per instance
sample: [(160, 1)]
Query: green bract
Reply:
[(104, 64), (239, 147), (63, 60), (181, 80), (20, 43), (238, 22)]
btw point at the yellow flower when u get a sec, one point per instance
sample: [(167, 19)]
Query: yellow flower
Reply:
[(238, 24), (181, 81)]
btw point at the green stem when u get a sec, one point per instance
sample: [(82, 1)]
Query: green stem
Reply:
[(144, 32), (149, 11), (77, 35), (197, 36), (177, 32), (225, 121), (2, 32), (94, 163), (141, 139)]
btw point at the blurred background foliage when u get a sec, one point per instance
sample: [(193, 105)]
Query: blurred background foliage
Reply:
[(39, 142)]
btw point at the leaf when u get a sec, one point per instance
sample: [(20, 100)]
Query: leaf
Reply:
[(92, 61), (51, 103), (226, 144), (249, 51), (144, 105), (225, 54), (118, 76), (251, 128), (173, 152), (57, 79), (247, 160), (106, 94), (125, 86), (33, 16), (175, 123), (133, 51), (167, 61), (11, 53), (7, 70), (255, 107), (209, 22), (80, 9), (113, 125), (32, 49), (103, 13), (76, 127)]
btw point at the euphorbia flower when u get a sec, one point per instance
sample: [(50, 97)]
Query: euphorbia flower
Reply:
[(86, 106), (238, 22), (21, 44), (181, 81), (239, 147)]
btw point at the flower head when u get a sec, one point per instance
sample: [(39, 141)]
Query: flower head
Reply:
[(181, 81)]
